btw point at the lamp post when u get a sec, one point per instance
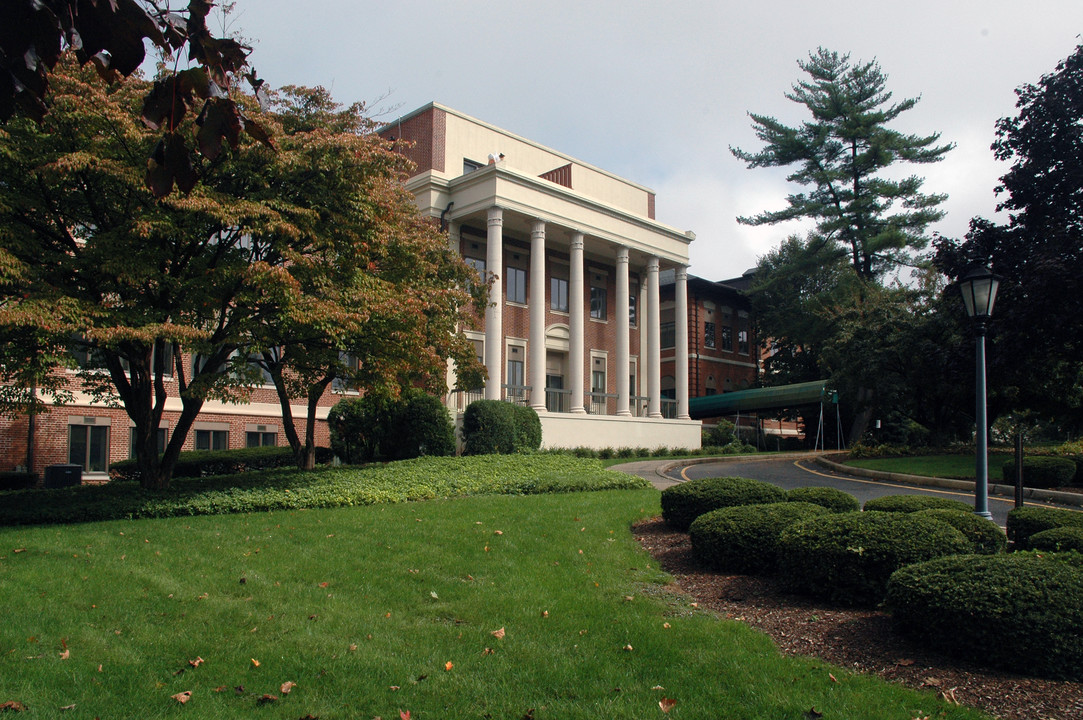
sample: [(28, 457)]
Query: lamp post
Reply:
[(979, 289)]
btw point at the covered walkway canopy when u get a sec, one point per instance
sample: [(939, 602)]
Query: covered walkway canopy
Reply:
[(783, 396)]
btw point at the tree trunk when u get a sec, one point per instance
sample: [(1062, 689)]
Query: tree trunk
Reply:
[(862, 416)]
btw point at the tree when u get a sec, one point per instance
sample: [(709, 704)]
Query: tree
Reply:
[(110, 35), (273, 251), (840, 154), (1038, 252)]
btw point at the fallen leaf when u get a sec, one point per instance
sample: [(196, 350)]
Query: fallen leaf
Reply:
[(324, 584), (666, 626), (17, 551), (499, 634), (65, 654), (353, 647), (267, 699), (196, 663), (904, 662), (68, 707), (813, 714), (545, 613), (255, 662), (287, 687), (448, 665), (394, 687), (498, 532), (488, 651), (949, 696), (404, 714), (832, 678), (220, 688), (629, 598), (183, 697), (13, 706), (666, 704), (433, 594), (628, 648), (657, 687)]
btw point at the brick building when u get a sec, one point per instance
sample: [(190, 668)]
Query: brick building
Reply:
[(576, 252), (93, 436)]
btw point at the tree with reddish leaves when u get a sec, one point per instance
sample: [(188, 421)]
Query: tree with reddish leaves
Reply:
[(110, 34)]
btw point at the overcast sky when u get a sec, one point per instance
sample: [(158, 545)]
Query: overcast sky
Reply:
[(656, 92)]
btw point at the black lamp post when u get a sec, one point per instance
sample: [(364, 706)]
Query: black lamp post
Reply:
[(979, 289)]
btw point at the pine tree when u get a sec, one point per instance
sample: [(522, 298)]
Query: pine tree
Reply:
[(840, 155)]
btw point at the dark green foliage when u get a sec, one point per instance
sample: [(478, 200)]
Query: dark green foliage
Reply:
[(744, 539), (202, 463), (660, 452), (420, 425), (493, 426), (831, 498), (16, 480), (1018, 612), (683, 503), (528, 429), (1025, 522), (719, 435), (358, 426), (985, 535), (913, 503), (849, 557), (288, 488), (1060, 539), (1042, 471)]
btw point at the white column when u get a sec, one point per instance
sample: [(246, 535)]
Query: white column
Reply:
[(494, 317), (451, 398), (654, 342), (623, 333), (536, 357), (576, 303), (680, 356)]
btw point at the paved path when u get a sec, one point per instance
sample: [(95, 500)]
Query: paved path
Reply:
[(802, 470)]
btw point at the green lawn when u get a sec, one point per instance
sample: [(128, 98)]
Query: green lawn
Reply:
[(386, 609), (944, 466)]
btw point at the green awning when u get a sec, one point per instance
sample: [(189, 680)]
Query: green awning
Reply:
[(783, 396)]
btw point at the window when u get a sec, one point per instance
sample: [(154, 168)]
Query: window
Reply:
[(633, 306), (212, 439), (260, 439), (88, 447), (708, 334), (86, 357), (597, 302), (558, 294), (476, 263), (161, 441), (727, 338), (742, 341), (470, 166), (516, 285), (668, 334)]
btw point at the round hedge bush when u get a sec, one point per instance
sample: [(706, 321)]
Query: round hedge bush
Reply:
[(683, 503), (985, 536), (1017, 612), (1025, 522), (744, 539), (1060, 539), (833, 499), (1041, 471), (849, 557), (913, 503)]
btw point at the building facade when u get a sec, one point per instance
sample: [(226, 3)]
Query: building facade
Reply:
[(575, 253)]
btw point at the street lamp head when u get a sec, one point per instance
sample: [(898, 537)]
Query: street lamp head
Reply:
[(979, 290)]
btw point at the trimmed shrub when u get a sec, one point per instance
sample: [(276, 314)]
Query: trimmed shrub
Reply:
[(1061, 539), (683, 503), (488, 428), (420, 425), (833, 499), (849, 557), (1025, 522), (1017, 612), (528, 429), (723, 433), (984, 535), (359, 427), (744, 539), (913, 503), (1041, 471), (204, 463)]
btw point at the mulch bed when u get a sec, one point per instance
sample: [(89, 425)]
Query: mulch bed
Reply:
[(855, 639)]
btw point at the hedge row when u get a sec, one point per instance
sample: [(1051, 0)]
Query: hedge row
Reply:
[(494, 426), (1042, 471), (204, 463), (1025, 522), (1019, 612), (683, 503), (744, 539)]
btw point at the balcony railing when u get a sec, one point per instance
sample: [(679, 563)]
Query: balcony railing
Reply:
[(558, 400)]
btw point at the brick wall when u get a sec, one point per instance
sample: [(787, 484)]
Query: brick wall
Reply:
[(425, 134)]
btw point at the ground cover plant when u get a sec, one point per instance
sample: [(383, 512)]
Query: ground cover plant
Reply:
[(509, 607), (419, 479)]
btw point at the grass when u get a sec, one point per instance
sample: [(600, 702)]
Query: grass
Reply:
[(944, 466), (384, 609)]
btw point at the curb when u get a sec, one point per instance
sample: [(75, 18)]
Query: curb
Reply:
[(1054, 496)]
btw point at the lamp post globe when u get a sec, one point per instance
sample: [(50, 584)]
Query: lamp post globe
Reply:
[(979, 290)]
